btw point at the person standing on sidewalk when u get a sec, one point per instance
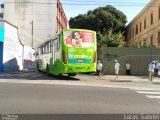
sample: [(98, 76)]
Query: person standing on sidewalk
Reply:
[(116, 66), (156, 68), (151, 70), (99, 68), (128, 68)]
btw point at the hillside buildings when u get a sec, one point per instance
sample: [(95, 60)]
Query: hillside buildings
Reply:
[(144, 29)]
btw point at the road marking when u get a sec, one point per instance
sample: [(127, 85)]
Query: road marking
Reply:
[(152, 96), (145, 88), (148, 92)]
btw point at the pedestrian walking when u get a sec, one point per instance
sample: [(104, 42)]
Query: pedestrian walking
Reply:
[(151, 68), (99, 68), (117, 66), (128, 68)]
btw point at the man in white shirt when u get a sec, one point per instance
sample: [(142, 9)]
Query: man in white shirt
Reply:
[(151, 68), (117, 66), (99, 68), (128, 68)]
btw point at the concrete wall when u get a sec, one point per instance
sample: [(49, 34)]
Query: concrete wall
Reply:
[(12, 49), (21, 13), (139, 59), (13, 54)]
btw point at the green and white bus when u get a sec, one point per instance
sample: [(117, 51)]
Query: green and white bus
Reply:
[(71, 51)]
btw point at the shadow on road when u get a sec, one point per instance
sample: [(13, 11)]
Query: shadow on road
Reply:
[(34, 75)]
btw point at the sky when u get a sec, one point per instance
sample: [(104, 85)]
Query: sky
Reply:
[(130, 8)]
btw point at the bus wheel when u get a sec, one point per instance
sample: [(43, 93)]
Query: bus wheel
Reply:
[(47, 70), (71, 74)]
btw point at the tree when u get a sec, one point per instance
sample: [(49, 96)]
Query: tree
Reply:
[(101, 20), (112, 40), (108, 22)]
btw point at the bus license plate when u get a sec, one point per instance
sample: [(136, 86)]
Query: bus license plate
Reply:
[(80, 60)]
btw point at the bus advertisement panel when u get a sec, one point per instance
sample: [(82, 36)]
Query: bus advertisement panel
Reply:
[(81, 46), (79, 38)]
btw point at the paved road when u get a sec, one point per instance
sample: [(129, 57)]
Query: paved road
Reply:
[(35, 98), (32, 92)]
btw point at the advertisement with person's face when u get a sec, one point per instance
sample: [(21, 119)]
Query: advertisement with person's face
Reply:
[(79, 38)]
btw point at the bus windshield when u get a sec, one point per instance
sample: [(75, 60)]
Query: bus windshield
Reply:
[(79, 38)]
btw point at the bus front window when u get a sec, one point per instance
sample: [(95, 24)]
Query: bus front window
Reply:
[(79, 38)]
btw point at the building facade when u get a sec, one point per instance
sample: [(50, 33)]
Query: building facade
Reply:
[(37, 21), (144, 29)]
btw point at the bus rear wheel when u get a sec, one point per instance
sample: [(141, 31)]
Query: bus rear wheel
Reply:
[(71, 74)]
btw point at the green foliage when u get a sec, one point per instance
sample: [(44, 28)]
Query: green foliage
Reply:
[(103, 20), (112, 40)]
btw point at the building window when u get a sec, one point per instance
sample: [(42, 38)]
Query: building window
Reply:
[(132, 32), (151, 40), (159, 12), (136, 29), (145, 23), (140, 27), (158, 38), (140, 43), (145, 43), (151, 18), (129, 34)]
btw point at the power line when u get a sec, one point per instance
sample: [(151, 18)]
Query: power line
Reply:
[(87, 4), (101, 2), (80, 3)]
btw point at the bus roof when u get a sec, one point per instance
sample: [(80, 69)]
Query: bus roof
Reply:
[(73, 29)]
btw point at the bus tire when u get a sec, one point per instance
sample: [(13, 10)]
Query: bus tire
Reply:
[(71, 74), (47, 70)]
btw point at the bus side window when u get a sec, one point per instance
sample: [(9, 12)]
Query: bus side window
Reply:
[(47, 47), (43, 50), (58, 46), (51, 46), (53, 52), (39, 50)]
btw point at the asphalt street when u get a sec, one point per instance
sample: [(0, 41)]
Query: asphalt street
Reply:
[(34, 93), (35, 98)]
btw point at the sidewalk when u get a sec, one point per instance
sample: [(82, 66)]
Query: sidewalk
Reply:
[(130, 78), (122, 81)]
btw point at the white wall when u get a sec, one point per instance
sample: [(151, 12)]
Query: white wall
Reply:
[(12, 49)]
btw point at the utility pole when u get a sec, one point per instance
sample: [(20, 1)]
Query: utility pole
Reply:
[(32, 33)]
